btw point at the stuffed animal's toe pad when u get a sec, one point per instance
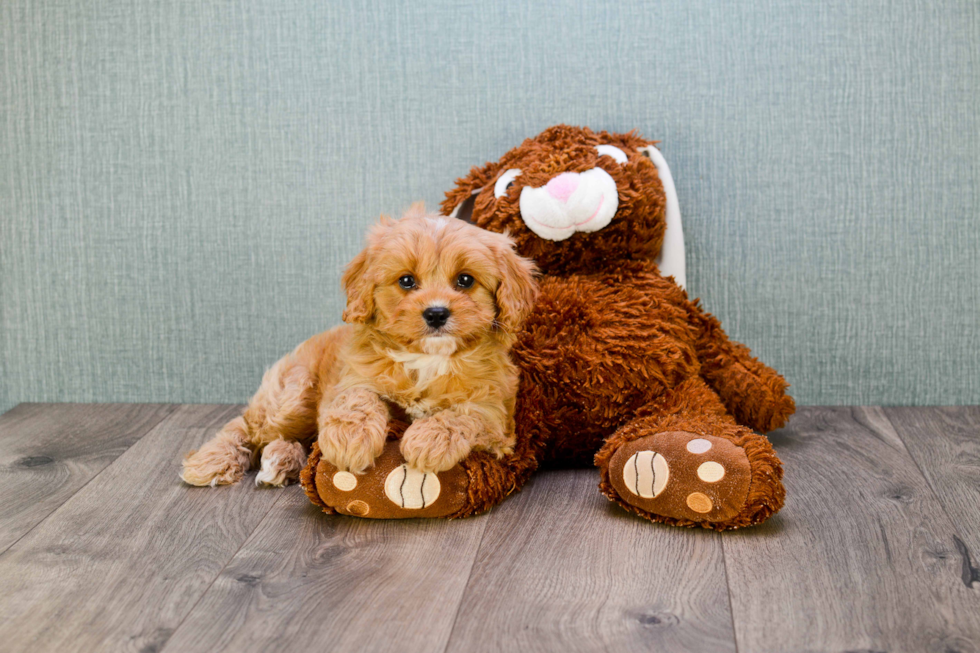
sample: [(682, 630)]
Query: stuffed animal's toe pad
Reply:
[(682, 475), (412, 489), (391, 489)]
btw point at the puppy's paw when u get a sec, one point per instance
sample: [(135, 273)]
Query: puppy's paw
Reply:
[(221, 461), (282, 461), (352, 435), (437, 443)]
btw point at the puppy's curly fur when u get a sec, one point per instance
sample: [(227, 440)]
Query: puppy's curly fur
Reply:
[(455, 382)]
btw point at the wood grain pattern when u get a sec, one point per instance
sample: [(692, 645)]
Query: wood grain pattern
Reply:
[(862, 557), (945, 443), (563, 569), (865, 556), (306, 581), (49, 451), (120, 564)]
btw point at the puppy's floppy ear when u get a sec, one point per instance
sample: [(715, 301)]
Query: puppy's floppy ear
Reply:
[(357, 281), (518, 289), (360, 292)]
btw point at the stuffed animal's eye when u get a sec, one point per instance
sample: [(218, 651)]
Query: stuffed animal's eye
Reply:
[(505, 181), (614, 152), (464, 281), (406, 281)]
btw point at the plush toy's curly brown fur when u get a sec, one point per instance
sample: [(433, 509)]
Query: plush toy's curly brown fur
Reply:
[(616, 359)]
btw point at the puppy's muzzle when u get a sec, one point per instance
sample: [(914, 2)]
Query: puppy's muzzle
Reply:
[(436, 316)]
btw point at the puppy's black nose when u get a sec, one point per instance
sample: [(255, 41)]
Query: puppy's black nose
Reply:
[(435, 316)]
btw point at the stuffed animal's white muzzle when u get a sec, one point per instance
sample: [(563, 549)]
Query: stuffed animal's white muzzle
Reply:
[(569, 203)]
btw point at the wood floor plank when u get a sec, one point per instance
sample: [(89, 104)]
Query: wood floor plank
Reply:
[(862, 558), (945, 443), (121, 563), (562, 569), (49, 451), (306, 581)]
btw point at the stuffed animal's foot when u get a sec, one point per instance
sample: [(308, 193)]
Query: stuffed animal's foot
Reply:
[(689, 479), (389, 490)]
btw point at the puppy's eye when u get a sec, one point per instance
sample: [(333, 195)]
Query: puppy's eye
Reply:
[(614, 152), (464, 281), (406, 281), (505, 181)]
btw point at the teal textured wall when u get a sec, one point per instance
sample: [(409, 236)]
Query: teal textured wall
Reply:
[(181, 182)]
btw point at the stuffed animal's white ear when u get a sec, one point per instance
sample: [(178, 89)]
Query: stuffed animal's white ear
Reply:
[(464, 210), (672, 260)]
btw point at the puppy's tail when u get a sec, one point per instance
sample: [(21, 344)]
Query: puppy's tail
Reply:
[(283, 408)]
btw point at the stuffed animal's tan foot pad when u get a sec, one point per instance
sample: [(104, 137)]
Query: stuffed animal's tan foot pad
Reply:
[(412, 489), (391, 489), (682, 475)]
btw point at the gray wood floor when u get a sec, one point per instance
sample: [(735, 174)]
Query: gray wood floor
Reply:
[(103, 549)]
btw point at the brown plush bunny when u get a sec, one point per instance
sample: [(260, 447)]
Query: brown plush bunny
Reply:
[(617, 365)]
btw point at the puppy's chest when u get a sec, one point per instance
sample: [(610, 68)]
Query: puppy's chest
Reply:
[(422, 408), (423, 404), (424, 385)]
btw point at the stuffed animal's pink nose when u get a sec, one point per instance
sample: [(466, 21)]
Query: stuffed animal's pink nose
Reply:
[(562, 186)]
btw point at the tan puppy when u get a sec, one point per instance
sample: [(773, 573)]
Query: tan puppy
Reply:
[(433, 306)]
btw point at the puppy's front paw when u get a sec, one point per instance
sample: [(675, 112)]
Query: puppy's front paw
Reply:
[(352, 438), (437, 443)]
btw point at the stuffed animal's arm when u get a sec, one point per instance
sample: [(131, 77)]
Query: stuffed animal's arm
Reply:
[(753, 392)]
